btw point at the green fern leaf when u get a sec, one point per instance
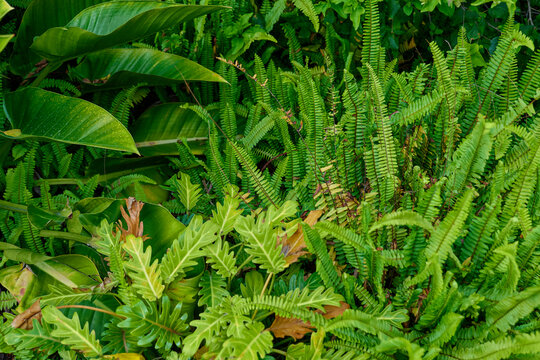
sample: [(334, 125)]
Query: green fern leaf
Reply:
[(306, 6), (450, 228), (400, 218), (510, 310)]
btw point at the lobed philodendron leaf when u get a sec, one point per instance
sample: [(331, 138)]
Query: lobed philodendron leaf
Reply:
[(39, 114), (119, 68), (126, 21)]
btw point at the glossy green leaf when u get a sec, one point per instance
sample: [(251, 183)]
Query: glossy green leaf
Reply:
[(36, 113), (158, 129), (42, 218), (71, 270), (38, 17), (117, 68), (4, 9), (126, 21)]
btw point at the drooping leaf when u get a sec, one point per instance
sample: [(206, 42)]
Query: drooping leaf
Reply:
[(126, 21), (160, 128), (121, 68), (38, 17), (39, 114)]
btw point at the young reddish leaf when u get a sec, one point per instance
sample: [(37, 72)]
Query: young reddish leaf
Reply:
[(134, 225)]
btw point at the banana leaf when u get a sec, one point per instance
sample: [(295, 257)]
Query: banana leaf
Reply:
[(39, 114), (126, 21), (120, 68)]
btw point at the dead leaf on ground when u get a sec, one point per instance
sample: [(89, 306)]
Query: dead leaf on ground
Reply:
[(24, 319), (282, 327), (293, 247), (296, 328)]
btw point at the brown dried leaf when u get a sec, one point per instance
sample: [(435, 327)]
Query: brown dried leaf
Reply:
[(331, 311), (282, 327), (294, 246), (134, 225), (24, 319)]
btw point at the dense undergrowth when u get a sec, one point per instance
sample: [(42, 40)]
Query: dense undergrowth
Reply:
[(264, 180)]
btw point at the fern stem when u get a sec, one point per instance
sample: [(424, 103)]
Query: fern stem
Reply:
[(65, 235), (6, 205), (91, 308)]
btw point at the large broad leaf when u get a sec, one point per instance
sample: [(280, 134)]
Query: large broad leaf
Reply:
[(37, 113), (4, 9), (38, 17), (116, 68), (71, 270), (159, 128), (125, 21)]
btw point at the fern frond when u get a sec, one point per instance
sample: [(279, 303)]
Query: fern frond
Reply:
[(306, 7), (450, 228)]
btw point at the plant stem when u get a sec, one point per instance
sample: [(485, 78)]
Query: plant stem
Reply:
[(280, 352), (46, 71), (91, 308), (244, 263), (65, 235), (270, 276), (66, 181), (6, 205)]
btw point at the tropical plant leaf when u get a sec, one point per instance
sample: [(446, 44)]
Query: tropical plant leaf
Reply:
[(39, 114), (71, 332), (127, 21), (160, 128), (121, 68)]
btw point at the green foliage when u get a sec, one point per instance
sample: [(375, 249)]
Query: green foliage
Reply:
[(325, 194)]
